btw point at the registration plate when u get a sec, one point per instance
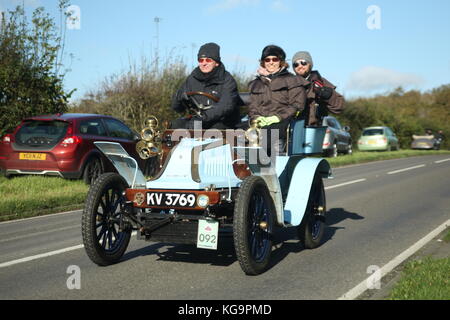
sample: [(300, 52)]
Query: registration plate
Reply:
[(169, 199), (208, 234), (32, 156), (372, 141)]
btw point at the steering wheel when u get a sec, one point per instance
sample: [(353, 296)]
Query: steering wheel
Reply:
[(197, 107)]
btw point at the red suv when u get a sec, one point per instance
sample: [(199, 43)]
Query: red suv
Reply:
[(62, 145)]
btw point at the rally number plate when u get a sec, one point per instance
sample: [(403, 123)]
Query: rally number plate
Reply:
[(208, 234), (171, 199)]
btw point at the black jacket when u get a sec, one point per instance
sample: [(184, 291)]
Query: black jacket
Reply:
[(219, 83)]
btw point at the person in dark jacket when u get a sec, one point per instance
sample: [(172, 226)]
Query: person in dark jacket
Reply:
[(321, 94), (276, 96), (211, 78)]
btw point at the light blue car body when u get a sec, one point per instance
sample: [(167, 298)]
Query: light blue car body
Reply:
[(196, 164)]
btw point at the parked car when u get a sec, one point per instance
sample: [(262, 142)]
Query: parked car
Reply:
[(337, 138), (378, 139), (425, 142), (62, 145)]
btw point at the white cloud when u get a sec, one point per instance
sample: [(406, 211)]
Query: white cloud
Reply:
[(372, 79), (225, 5), (279, 5)]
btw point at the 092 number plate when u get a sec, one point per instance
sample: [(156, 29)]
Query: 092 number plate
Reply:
[(166, 199)]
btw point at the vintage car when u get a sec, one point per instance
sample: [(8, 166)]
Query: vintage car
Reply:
[(425, 142), (208, 183)]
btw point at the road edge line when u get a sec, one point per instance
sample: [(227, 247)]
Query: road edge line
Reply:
[(362, 286)]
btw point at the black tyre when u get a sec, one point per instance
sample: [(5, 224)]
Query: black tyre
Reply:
[(104, 241), (311, 229), (92, 170), (334, 151), (253, 225), (350, 149)]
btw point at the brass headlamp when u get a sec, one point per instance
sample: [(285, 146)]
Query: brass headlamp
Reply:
[(150, 145)]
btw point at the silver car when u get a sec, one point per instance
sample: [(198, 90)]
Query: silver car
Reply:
[(337, 138)]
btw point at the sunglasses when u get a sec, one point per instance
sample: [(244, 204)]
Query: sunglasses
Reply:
[(207, 60), (300, 62), (272, 59)]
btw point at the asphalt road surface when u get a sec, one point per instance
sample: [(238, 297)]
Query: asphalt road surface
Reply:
[(375, 212)]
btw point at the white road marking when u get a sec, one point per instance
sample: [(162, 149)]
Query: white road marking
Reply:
[(45, 255), (40, 217), (443, 160), (406, 169), (345, 183), (362, 286), (40, 256)]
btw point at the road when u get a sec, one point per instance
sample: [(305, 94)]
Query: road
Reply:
[(375, 212)]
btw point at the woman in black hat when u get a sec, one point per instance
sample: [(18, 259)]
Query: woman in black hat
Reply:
[(276, 96)]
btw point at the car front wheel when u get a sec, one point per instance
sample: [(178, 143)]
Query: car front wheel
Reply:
[(105, 238)]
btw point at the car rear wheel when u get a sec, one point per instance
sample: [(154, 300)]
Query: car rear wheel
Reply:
[(333, 152), (92, 170), (253, 225), (350, 149), (311, 229), (104, 237)]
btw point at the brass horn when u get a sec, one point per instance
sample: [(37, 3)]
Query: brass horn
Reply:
[(150, 145), (253, 133)]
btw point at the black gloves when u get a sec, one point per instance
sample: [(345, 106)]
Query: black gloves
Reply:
[(325, 93), (322, 92), (184, 98)]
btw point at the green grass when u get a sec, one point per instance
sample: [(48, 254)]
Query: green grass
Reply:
[(368, 156), (426, 279), (447, 238), (27, 196)]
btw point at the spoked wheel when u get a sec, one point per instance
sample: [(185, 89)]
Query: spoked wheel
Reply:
[(253, 225), (104, 240), (311, 229)]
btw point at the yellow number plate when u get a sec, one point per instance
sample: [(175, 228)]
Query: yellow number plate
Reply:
[(32, 156)]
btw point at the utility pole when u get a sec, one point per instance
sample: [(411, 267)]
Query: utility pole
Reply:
[(157, 20)]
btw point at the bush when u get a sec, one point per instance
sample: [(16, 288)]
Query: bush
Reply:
[(407, 113), (30, 79)]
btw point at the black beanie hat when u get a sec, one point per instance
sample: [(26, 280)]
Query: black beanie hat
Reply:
[(210, 50), (272, 50)]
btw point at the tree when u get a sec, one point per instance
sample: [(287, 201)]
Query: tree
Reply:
[(30, 79)]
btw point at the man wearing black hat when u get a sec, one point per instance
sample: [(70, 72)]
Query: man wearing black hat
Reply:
[(220, 101)]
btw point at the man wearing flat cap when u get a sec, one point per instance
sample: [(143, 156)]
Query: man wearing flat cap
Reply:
[(320, 93), (220, 100)]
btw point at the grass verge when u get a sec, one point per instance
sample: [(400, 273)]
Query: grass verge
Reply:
[(28, 196), (369, 156), (425, 279)]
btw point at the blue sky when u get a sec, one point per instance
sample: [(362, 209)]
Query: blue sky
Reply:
[(411, 47)]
